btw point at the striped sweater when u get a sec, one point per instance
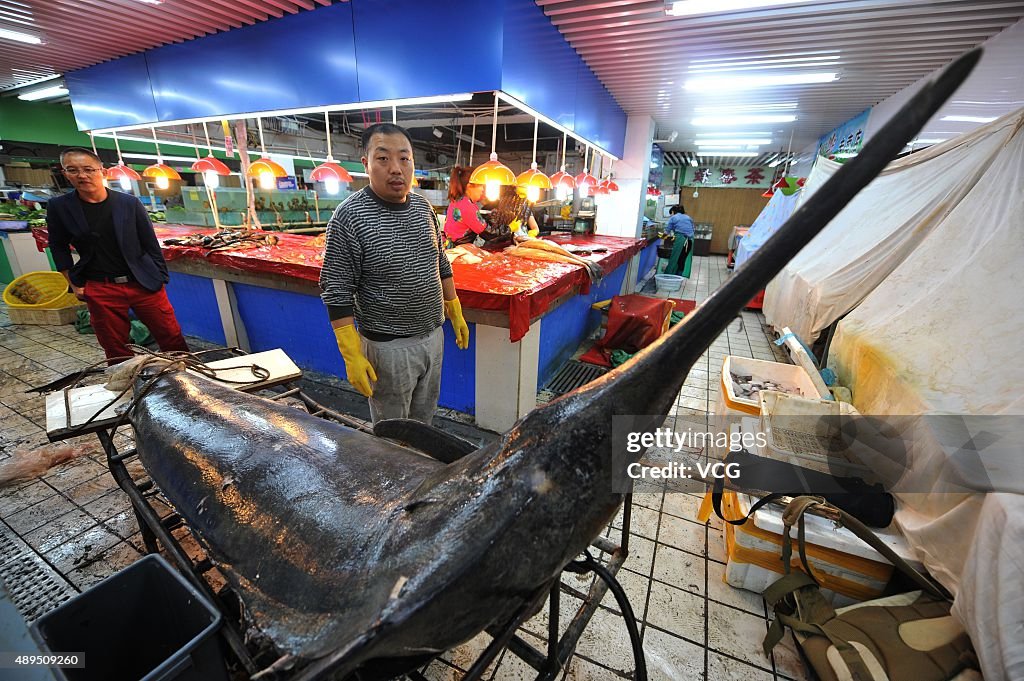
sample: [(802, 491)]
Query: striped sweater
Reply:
[(383, 263)]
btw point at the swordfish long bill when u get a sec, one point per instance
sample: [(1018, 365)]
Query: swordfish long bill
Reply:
[(352, 553)]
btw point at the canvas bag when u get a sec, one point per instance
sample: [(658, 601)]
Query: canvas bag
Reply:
[(909, 636)]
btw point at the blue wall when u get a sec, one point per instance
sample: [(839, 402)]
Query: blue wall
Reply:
[(360, 51), (648, 259), (563, 330), (195, 306)]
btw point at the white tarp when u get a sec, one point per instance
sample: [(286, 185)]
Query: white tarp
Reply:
[(941, 335), (878, 229), (778, 210)]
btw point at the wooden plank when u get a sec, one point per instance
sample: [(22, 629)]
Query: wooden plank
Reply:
[(724, 208), (233, 372)]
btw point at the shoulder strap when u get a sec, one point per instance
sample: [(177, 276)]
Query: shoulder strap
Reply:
[(716, 503)]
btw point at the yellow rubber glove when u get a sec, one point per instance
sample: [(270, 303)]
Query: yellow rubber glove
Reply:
[(514, 226), (453, 308), (360, 373)]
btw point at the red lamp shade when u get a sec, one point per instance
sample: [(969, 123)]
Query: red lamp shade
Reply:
[(328, 171), (563, 180), (769, 193), (801, 182), (265, 165), (161, 170), (586, 182), (121, 170), (600, 188), (211, 165)]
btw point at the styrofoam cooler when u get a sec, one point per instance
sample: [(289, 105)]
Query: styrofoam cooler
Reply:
[(789, 375), (847, 568)]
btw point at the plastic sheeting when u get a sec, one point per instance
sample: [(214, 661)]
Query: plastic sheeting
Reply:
[(774, 215), (939, 336), (876, 231)]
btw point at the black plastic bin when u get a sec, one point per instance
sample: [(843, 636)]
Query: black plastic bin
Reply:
[(145, 623)]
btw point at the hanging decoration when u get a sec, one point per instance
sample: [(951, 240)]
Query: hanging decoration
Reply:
[(584, 180), (121, 173)]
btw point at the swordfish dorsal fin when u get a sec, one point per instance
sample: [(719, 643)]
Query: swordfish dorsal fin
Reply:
[(650, 382)]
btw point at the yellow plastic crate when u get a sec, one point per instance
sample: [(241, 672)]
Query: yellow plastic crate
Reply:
[(49, 292)]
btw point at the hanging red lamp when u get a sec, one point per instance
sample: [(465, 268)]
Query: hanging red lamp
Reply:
[(329, 172)]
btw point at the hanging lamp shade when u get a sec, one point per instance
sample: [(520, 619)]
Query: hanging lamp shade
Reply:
[(563, 180), (769, 193), (210, 164), (585, 182), (121, 170), (493, 171), (265, 165), (161, 170), (610, 185), (533, 181), (329, 171)]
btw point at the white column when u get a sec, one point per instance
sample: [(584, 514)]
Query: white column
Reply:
[(506, 376), (618, 213)]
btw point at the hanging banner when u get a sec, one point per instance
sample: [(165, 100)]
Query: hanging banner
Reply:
[(845, 141)]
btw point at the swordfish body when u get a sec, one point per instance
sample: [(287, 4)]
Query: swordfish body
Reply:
[(351, 552)]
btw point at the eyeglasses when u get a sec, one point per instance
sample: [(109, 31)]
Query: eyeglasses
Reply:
[(82, 171)]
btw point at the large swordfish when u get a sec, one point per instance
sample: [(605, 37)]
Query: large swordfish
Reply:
[(352, 553)]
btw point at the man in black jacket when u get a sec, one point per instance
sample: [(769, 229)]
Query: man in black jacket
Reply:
[(120, 266)]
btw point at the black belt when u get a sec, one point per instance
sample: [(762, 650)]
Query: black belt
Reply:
[(112, 280)]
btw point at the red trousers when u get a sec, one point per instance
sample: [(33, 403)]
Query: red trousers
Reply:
[(108, 311)]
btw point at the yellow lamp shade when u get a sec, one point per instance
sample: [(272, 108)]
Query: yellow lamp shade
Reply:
[(492, 172), (265, 165), (211, 165), (329, 171), (122, 171), (161, 170), (533, 178)]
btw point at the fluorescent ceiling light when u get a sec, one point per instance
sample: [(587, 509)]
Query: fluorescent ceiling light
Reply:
[(685, 8), (152, 2), (745, 108), (726, 142), (924, 141), (733, 134), (728, 83), (969, 119), (743, 120), (20, 37), (44, 93), (184, 159), (756, 64), (726, 152)]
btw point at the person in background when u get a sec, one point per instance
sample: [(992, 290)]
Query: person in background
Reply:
[(120, 266), (511, 218), (681, 225), (463, 222), (384, 269)]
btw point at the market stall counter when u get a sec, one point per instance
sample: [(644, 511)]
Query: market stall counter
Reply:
[(259, 291)]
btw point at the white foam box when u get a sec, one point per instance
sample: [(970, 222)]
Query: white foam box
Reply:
[(792, 377)]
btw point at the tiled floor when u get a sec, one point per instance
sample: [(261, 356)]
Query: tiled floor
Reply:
[(693, 625)]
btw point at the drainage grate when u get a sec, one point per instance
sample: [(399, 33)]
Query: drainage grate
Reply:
[(572, 375), (34, 587)]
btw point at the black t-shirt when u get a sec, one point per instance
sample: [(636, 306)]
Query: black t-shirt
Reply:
[(107, 260)]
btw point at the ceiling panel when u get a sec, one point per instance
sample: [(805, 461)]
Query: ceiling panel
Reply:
[(115, 28), (644, 56)]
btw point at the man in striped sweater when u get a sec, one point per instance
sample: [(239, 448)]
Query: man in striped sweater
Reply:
[(384, 269)]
